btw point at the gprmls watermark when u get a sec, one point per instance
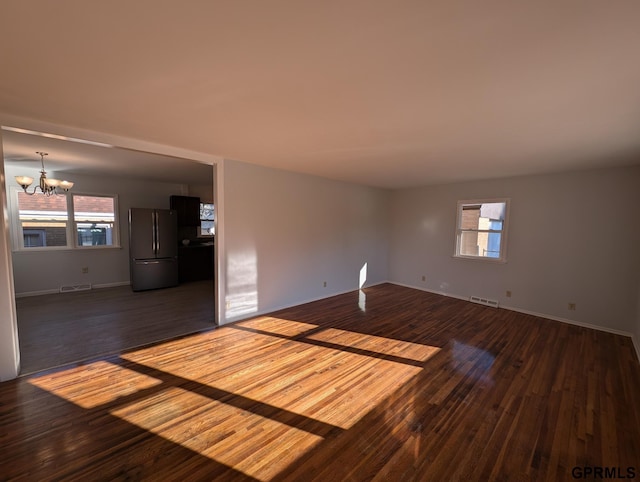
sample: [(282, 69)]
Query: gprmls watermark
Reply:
[(597, 472)]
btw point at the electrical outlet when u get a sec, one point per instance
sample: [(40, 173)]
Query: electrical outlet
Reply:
[(85, 270), (572, 307), (324, 284), (508, 294)]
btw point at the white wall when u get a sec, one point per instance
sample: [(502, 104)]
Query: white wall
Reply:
[(106, 266), (203, 191), (573, 237), (285, 234), (9, 348)]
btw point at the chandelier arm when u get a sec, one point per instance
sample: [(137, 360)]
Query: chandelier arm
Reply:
[(29, 193)]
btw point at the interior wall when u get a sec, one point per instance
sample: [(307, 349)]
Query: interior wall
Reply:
[(108, 266), (572, 238), (286, 234), (9, 348), (203, 191)]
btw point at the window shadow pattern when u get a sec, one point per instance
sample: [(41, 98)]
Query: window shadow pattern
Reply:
[(324, 396)]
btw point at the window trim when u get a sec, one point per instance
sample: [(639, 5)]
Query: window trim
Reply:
[(116, 222), (503, 232), (72, 242)]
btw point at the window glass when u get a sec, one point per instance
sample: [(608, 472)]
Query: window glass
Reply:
[(94, 220), (481, 229), (207, 219), (43, 220)]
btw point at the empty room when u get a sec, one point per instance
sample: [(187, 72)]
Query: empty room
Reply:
[(403, 245)]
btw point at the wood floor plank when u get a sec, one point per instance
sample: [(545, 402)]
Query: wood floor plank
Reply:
[(414, 387), (58, 329)]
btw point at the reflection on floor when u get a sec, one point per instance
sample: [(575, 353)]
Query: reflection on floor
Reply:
[(415, 387), (58, 329)]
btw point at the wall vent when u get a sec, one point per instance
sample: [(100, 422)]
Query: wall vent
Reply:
[(69, 288), (484, 301)]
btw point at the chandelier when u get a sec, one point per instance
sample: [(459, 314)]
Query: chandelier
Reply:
[(47, 186)]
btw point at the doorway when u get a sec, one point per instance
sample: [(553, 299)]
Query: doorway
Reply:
[(57, 328)]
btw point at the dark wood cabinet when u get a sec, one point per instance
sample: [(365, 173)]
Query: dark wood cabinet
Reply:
[(195, 258), (195, 263), (188, 208)]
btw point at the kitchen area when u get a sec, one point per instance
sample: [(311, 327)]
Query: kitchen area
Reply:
[(172, 249), (171, 246), (195, 237)]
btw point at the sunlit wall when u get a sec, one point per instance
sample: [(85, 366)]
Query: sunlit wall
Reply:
[(288, 234)]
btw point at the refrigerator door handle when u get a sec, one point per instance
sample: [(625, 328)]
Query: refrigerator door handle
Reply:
[(156, 227), (154, 224)]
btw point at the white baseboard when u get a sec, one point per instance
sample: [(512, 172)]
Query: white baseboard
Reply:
[(112, 285), (37, 293), (570, 322), (533, 313), (248, 316), (56, 291), (421, 288)]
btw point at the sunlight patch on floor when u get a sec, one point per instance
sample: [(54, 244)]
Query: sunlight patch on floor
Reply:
[(327, 384), (257, 446), (362, 301), (92, 385), (376, 344), (255, 409), (278, 326)]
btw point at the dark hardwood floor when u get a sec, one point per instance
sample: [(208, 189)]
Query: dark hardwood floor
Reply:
[(59, 329), (391, 384)]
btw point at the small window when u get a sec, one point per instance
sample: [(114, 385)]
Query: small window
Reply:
[(43, 220), (94, 220), (481, 229), (207, 219)]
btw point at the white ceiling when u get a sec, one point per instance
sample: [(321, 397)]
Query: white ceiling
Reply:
[(66, 157), (389, 94)]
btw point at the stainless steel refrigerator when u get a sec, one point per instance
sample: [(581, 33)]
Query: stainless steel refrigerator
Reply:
[(153, 248)]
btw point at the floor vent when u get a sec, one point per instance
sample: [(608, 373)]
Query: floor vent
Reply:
[(484, 301), (69, 288)]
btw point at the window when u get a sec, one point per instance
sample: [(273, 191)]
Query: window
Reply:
[(481, 229), (207, 220), (44, 221), (94, 220)]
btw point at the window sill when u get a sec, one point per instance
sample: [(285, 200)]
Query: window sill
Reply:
[(481, 259)]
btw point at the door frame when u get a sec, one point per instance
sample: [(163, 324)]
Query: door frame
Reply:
[(9, 343)]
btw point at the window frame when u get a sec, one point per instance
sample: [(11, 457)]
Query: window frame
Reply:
[(71, 233), (502, 258), (200, 235), (116, 222)]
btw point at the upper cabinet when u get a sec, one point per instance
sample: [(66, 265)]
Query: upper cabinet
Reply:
[(188, 208)]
